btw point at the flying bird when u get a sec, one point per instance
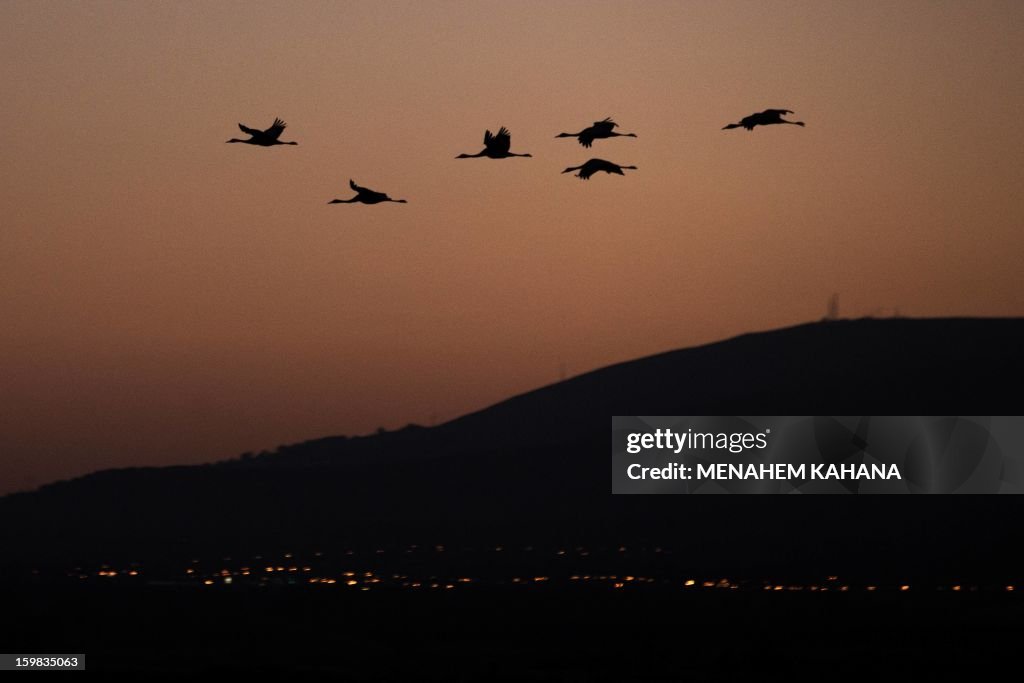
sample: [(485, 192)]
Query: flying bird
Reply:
[(764, 118), (594, 165), (264, 138), (600, 129), (495, 146), (365, 195)]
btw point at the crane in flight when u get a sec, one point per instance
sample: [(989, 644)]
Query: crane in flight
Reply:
[(764, 118), (596, 165), (600, 129), (495, 146), (365, 195), (264, 138)]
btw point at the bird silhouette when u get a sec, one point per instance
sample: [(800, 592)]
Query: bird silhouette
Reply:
[(495, 146), (365, 195), (264, 138), (764, 118), (595, 165), (600, 129)]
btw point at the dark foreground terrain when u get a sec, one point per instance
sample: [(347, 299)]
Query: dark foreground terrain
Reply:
[(548, 635), (491, 547)]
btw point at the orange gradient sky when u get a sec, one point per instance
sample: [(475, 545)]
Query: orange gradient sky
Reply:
[(166, 298)]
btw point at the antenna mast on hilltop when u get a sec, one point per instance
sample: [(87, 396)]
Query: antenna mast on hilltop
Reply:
[(832, 310)]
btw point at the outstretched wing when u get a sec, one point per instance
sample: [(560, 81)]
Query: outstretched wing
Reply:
[(352, 184), (776, 112), (749, 122), (249, 131), (588, 169), (274, 132), (600, 129), (501, 142)]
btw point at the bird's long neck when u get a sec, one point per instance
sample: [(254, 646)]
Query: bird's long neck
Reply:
[(795, 123), (569, 135), (237, 140), (344, 201), (472, 156), (732, 125)]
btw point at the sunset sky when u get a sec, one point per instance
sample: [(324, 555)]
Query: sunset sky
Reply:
[(167, 298)]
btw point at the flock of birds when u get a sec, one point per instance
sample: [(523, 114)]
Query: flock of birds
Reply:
[(499, 145)]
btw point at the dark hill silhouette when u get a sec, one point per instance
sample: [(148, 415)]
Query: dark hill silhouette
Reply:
[(537, 465)]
